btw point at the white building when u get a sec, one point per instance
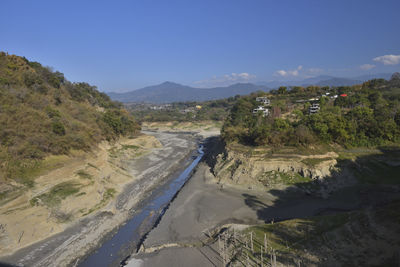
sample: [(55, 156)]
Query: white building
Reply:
[(264, 110), (314, 108), (264, 100)]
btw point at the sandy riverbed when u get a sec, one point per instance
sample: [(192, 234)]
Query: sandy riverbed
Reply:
[(80, 237)]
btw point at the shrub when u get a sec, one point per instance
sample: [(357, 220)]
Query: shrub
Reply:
[(52, 113), (58, 128)]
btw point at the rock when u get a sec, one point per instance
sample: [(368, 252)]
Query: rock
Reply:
[(236, 168)]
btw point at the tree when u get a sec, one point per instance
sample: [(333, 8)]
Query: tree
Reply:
[(282, 90)]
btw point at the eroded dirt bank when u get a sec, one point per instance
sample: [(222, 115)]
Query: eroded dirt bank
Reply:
[(131, 169)]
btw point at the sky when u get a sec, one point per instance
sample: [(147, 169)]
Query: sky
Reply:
[(124, 45)]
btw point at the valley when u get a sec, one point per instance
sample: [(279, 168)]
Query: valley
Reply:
[(199, 133), (294, 176)]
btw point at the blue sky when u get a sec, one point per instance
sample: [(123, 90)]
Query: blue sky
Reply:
[(125, 45)]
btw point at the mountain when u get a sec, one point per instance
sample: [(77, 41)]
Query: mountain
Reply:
[(337, 82), (308, 81), (367, 77), (325, 80), (168, 92)]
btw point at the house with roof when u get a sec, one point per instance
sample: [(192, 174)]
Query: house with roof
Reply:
[(264, 100), (314, 108), (264, 110)]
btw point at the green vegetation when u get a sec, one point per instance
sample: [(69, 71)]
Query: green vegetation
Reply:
[(348, 238), (84, 175), (43, 114), (216, 110), (378, 170), (108, 195), (124, 147), (274, 177), (56, 194), (367, 115), (288, 239), (9, 194), (132, 150), (312, 162), (293, 234)]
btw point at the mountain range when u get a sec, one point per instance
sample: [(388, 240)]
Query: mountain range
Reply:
[(168, 92), (326, 80)]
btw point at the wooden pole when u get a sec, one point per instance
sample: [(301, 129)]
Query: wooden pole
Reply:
[(247, 253), (261, 255), (226, 247), (265, 242), (272, 262), (234, 237), (251, 242), (219, 244), (223, 253)]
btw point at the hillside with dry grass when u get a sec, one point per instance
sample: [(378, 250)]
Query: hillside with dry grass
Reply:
[(43, 114)]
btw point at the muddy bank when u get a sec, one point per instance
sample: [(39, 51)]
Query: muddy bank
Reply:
[(202, 207), (79, 238), (182, 237)]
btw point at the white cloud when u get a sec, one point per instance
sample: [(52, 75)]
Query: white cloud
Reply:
[(281, 73), (226, 79), (388, 59), (367, 66), (288, 73)]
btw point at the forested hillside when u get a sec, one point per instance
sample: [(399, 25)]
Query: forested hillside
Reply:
[(42, 114), (215, 110), (359, 115)]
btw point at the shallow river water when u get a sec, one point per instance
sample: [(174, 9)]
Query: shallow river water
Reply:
[(114, 251)]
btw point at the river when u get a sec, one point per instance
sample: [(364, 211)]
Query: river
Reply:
[(116, 250)]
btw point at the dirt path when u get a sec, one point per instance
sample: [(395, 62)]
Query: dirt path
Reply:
[(64, 248)]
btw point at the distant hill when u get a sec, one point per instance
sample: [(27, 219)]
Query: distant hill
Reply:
[(337, 82), (325, 80), (169, 92), (368, 77)]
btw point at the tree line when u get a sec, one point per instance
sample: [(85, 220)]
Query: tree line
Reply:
[(365, 115)]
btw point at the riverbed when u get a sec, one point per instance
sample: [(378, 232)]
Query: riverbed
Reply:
[(128, 238), (84, 236)]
